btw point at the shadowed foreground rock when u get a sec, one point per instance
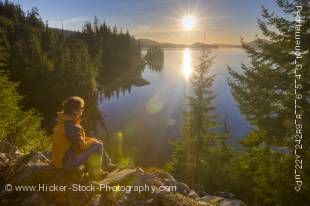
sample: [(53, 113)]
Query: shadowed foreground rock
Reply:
[(127, 187)]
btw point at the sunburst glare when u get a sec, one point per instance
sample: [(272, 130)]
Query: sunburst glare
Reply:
[(187, 63), (188, 22)]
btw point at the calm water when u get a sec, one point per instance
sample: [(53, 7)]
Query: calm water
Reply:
[(144, 120)]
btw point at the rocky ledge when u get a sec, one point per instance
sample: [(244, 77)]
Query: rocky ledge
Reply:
[(41, 184)]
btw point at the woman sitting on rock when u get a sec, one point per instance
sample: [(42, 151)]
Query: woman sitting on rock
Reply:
[(71, 148)]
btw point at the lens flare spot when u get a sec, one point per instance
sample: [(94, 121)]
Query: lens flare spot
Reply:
[(154, 105), (120, 134)]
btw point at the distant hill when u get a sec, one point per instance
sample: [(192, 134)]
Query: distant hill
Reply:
[(254, 43), (146, 43), (67, 33)]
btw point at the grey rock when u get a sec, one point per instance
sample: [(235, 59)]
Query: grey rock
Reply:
[(182, 188), (192, 194), (207, 198), (35, 168), (167, 178), (95, 200), (47, 154), (227, 195), (139, 170), (31, 169), (228, 202), (118, 176), (35, 199), (8, 148)]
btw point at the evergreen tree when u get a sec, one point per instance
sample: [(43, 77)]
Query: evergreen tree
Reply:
[(265, 93), (79, 68), (18, 127), (202, 152)]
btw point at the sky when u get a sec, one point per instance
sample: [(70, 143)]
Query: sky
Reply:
[(218, 21)]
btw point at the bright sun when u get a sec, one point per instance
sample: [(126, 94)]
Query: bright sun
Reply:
[(188, 22)]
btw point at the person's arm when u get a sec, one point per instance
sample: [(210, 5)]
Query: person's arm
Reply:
[(75, 135)]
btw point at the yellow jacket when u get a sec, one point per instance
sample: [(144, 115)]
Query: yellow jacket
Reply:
[(68, 133)]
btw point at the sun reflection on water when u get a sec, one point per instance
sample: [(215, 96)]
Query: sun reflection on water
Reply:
[(187, 63)]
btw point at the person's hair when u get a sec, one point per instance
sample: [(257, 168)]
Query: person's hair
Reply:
[(71, 104)]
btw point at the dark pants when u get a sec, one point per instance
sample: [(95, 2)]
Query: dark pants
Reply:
[(94, 157)]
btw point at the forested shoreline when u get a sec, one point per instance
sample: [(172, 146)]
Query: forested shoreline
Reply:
[(51, 65), (41, 66)]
